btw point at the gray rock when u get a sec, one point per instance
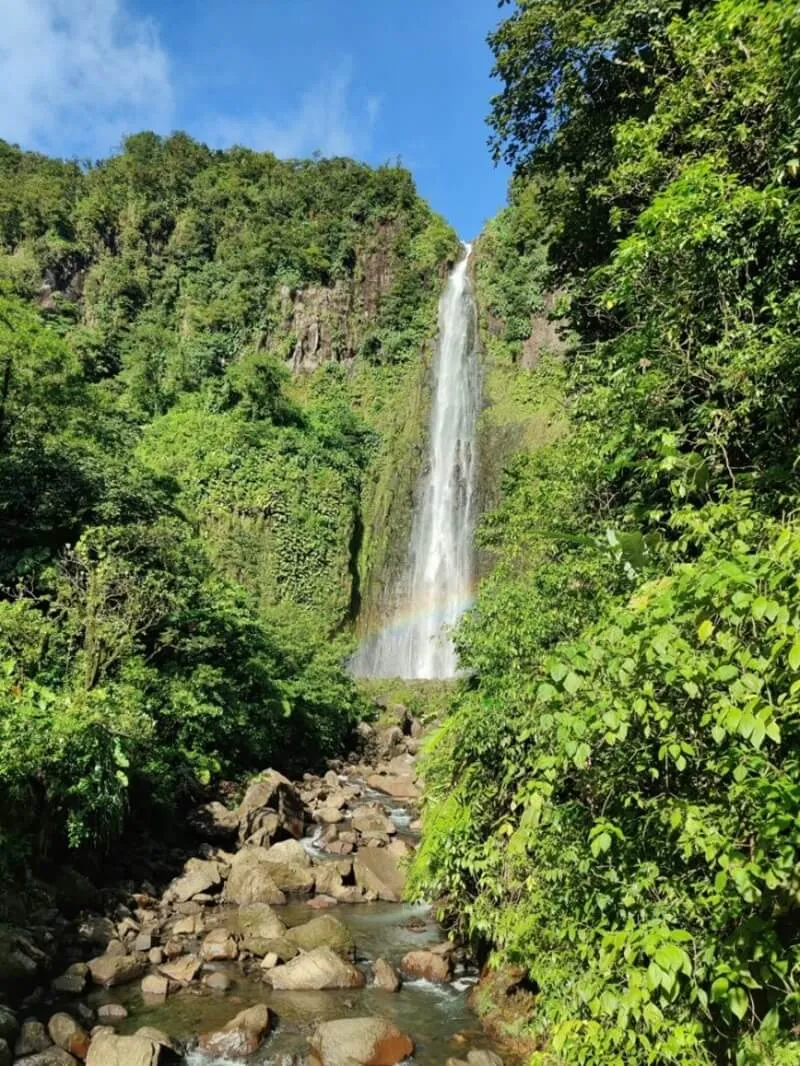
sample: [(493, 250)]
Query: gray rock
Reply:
[(32, 1038), (322, 932), (68, 1035), (378, 871), (9, 1026), (386, 977), (112, 970), (251, 880)]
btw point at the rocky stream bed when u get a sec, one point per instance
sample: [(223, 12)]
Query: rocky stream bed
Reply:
[(283, 940)]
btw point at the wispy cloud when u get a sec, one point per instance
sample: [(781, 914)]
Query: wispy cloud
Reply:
[(326, 119), (76, 75)]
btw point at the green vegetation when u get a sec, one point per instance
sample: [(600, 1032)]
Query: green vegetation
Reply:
[(613, 800), (184, 524)]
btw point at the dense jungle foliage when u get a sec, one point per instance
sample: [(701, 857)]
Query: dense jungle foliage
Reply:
[(181, 521), (614, 800)]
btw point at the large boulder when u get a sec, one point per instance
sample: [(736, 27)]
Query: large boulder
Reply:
[(270, 795), (199, 876), (291, 868), (108, 1049), (359, 1042), (322, 932), (19, 960), (9, 1026), (372, 819), (430, 965), (214, 821), (112, 970), (399, 786), (260, 920), (379, 872), (242, 1036), (317, 969), (250, 879), (67, 1034), (32, 1038), (97, 930)]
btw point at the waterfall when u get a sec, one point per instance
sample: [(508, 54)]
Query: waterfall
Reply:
[(437, 583)]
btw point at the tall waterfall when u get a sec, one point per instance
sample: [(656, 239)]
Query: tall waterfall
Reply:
[(438, 579)]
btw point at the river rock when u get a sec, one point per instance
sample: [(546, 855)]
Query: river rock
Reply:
[(400, 786), (67, 1034), (271, 794), (329, 815), (317, 969), (218, 945), (329, 876), (19, 960), (217, 981), (112, 1012), (6, 1058), (371, 819), (9, 1026), (32, 1038), (112, 970), (359, 1042), (260, 920), (250, 879), (156, 986), (108, 1049), (183, 970), (242, 1036), (291, 866), (430, 965), (386, 977), (52, 1056), (97, 930), (322, 932), (483, 1057), (214, 821), (378, 871), (200, 875)]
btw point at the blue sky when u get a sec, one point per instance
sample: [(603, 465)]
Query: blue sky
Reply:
[(377, 79)]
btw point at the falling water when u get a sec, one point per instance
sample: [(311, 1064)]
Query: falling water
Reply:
[(437, 583)]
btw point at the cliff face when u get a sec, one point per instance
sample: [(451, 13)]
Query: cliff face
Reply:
[(265, 327)]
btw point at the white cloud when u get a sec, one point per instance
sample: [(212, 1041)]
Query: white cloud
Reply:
[(326, 120), (77, 75)]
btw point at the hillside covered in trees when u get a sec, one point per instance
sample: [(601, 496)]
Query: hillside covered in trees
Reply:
[(210, 400), (613, 805)]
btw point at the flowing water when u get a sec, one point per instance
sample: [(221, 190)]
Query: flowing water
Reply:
[(438, 579)]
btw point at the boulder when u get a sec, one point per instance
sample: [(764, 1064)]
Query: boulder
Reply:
[(379, 872), (200, 875), (217, 981), (67, 1034), (290, 866), (217, 945), (213, 821), (371, 819), (317, 969), (260, 920), (329, 815), (386, 977), (9, 1026), (97, 930), (269, 795), (6, 1058), (32, 1038), (19, 960), (112, 970), (250, 879), (156, 986), (242, 1036), (322, 932), (52, 1056), (430, 965), (149, 1032), (359, 1042), (108, 1049), (183, 970), (400, 786), (112, 1012), (329, 876), (483, 1058)]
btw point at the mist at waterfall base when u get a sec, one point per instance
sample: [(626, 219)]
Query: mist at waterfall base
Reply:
[(436, 585)]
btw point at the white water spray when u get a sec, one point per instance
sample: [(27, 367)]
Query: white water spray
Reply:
[(438, 580)]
